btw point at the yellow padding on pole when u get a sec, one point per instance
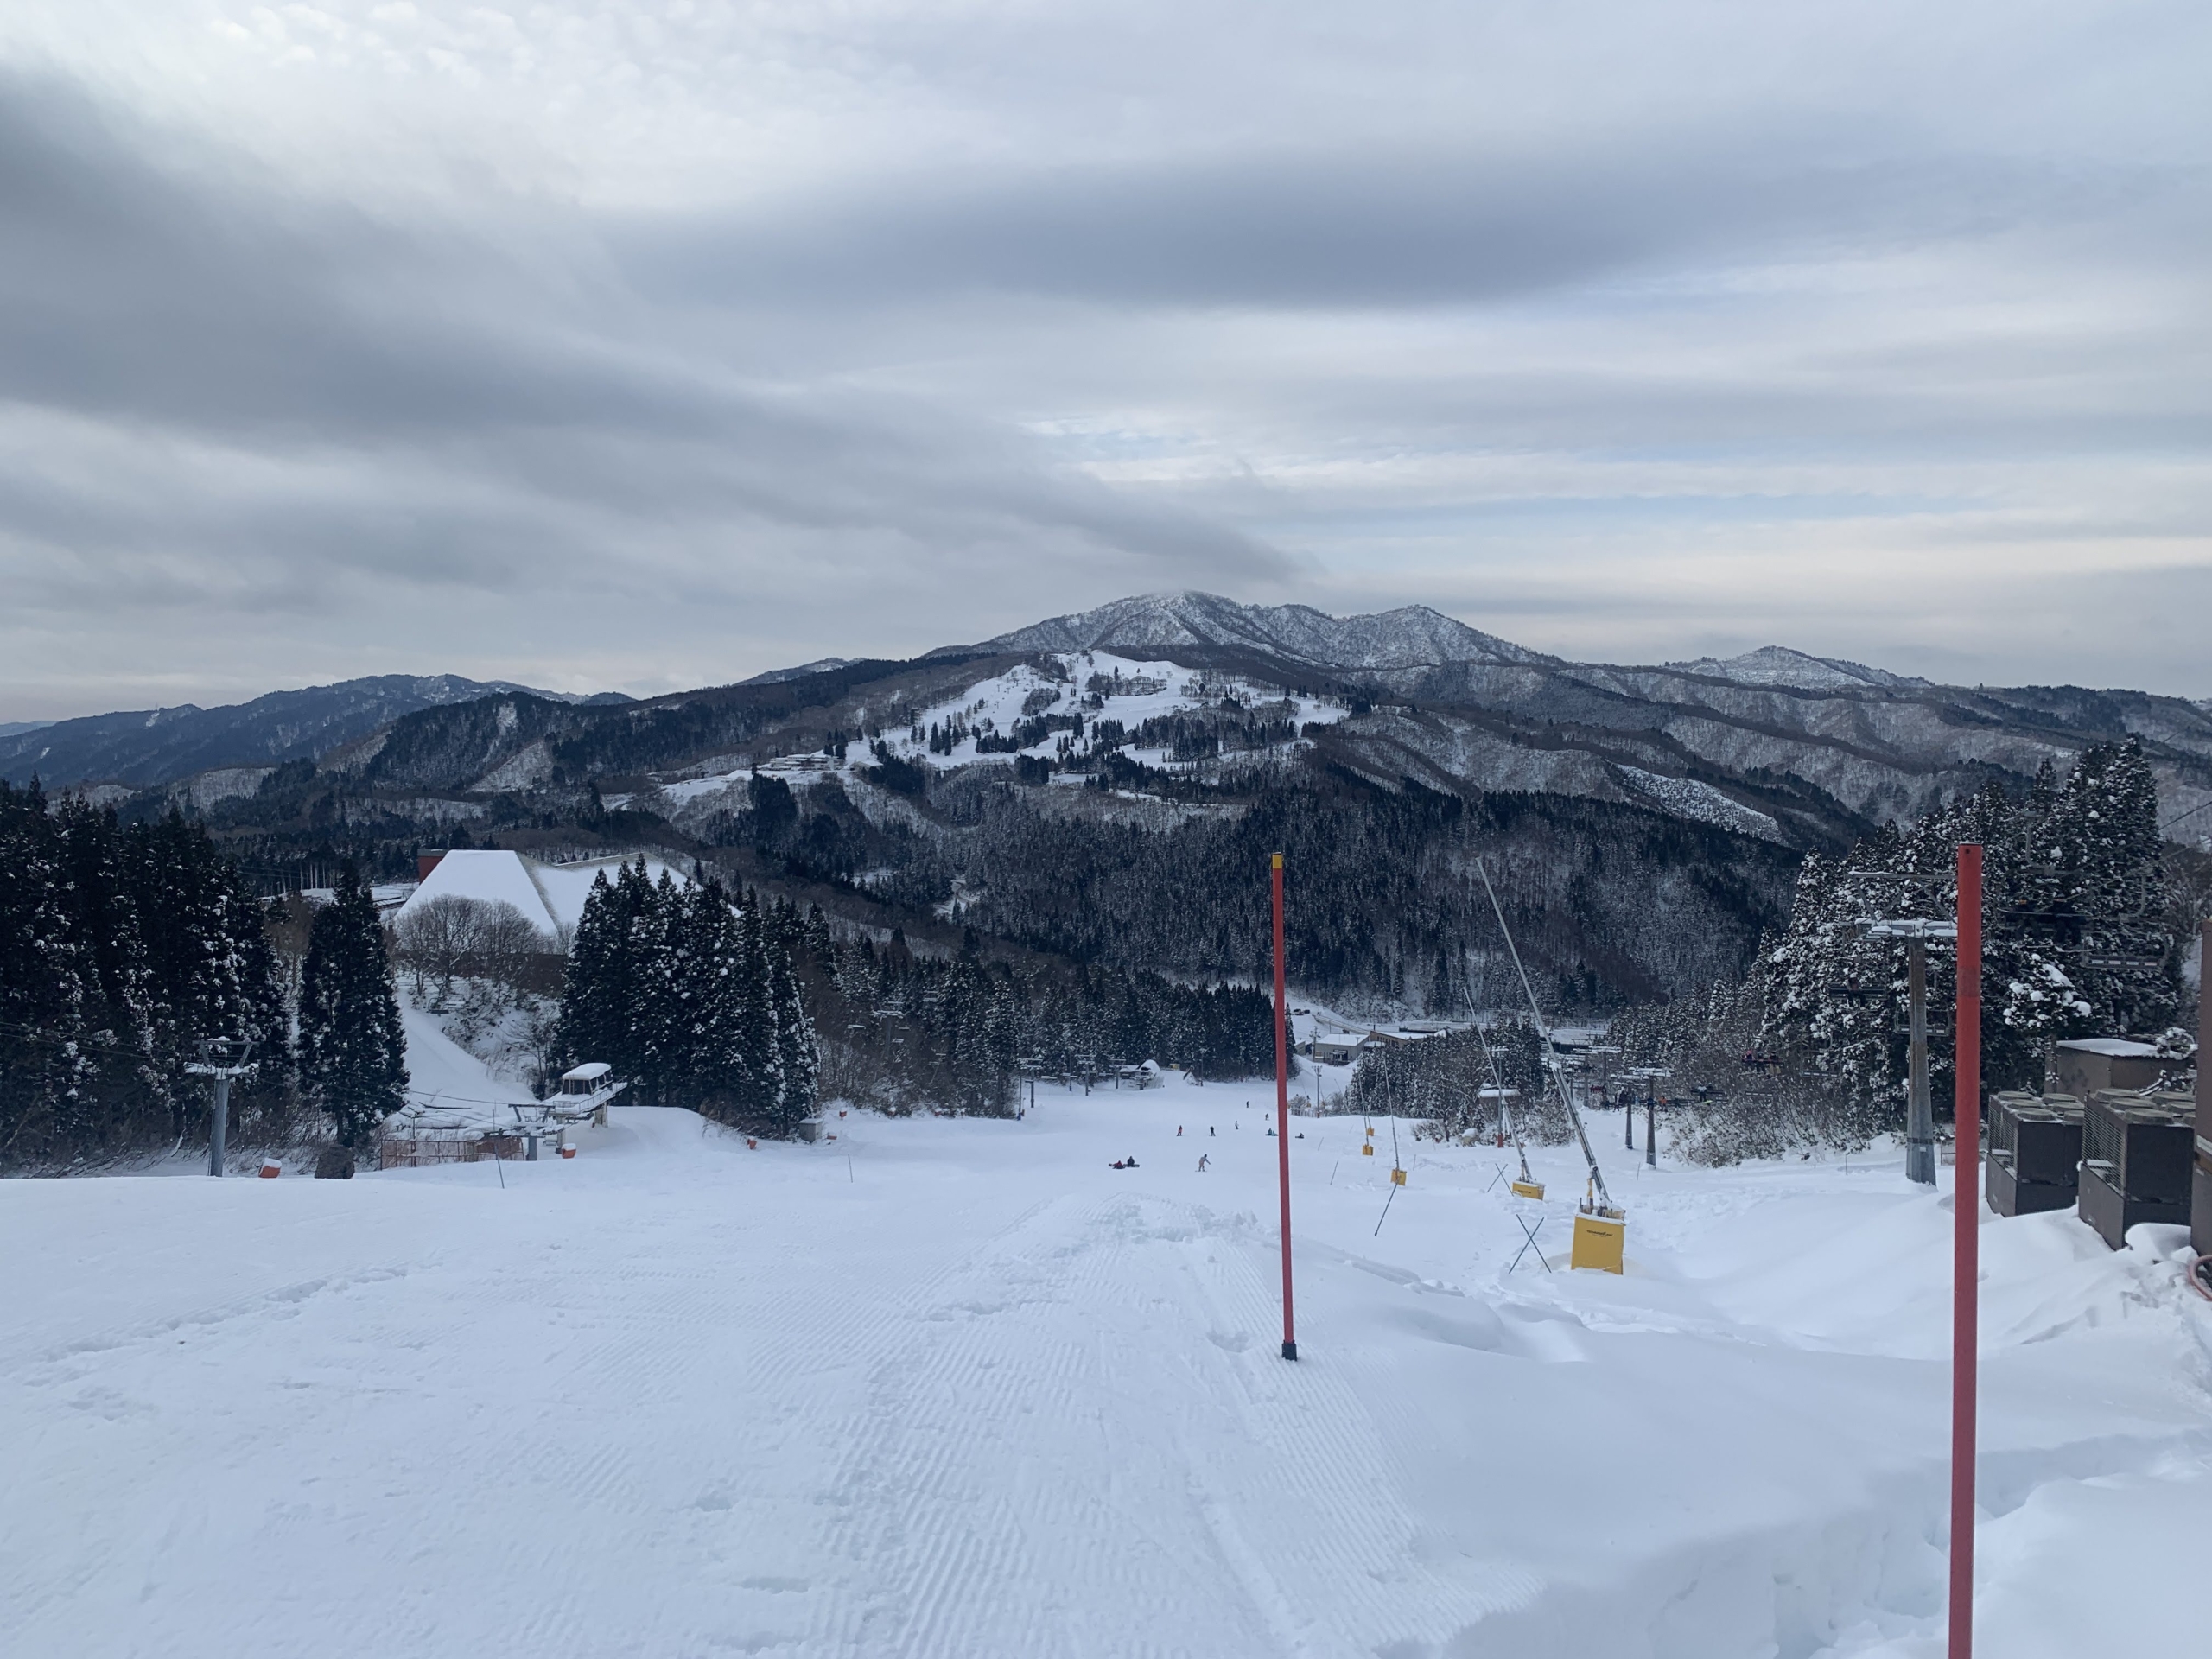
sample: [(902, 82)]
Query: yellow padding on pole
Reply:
[(1528, 1189), (1397, 1178), (1597, 1244), (1366, 1149)]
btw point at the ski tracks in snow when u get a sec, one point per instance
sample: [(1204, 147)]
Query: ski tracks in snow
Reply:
[(1090, 1411)]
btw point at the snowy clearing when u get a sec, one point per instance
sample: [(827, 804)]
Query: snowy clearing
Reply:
[(954, 1386)]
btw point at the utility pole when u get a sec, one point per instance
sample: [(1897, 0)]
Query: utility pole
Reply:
[(215, 1063)]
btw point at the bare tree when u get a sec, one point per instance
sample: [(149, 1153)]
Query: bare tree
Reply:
[(505, 946), (435, 936)]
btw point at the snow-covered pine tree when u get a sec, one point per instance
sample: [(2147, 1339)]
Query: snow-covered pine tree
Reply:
[(134, 1089), (799, 1060), (48, 1067), (2102, 836), (591, 982), (758, 1059), (717, 1048), (353, 1045), (659, 991)]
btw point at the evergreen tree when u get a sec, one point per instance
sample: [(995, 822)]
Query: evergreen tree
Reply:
[(47, 982), (353, 1045), (798, 1061), (757, 1053), (595, 990)]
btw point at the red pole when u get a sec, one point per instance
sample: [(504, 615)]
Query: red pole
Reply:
[(1966, 1267), (1282, 1113)]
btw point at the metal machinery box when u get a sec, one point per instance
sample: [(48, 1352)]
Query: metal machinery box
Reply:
[(2010, 1196), (2035, 1152), (2136, 1153)]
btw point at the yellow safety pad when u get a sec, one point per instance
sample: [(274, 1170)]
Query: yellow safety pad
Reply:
[(1598, 1243)]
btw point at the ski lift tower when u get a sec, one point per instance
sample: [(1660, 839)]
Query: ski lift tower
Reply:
[(1920, 1112), (217, 1062)]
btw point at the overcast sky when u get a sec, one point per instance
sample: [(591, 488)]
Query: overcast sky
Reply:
[(649, 346)]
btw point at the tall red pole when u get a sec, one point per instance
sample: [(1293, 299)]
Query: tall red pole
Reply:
[(1282, 1113), (1965, 1266)]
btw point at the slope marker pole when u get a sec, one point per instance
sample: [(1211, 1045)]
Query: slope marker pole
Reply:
[(1966, 1203), (1282, 1108)]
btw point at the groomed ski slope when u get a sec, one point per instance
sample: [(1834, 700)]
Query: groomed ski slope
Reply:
[(956, 1387)]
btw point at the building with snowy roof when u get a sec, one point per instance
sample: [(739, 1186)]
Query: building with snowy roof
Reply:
[(2086, 1065), (550, 896)]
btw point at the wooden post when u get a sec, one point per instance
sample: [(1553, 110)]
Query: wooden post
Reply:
[(1966, 1265)]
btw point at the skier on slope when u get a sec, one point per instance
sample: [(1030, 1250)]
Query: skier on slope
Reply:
[(1203, 1159)]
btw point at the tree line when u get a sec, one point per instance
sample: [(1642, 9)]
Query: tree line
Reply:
[(124, 949), (2084, 933), (907, 1030), (689, 993)]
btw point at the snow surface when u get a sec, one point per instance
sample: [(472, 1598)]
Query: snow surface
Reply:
[(447, 1085), (954, 1386)]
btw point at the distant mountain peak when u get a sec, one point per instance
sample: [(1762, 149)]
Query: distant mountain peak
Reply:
[(1780, 665), (1411, 637), (819, 666)]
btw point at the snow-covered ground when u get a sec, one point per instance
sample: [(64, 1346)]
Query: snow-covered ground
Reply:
[(954, 1386)]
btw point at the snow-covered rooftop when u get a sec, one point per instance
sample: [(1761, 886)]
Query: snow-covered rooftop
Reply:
[(551, 896), (2118, 1048)]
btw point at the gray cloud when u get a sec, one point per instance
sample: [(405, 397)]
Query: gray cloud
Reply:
[(1724, 334), (1384, 227)]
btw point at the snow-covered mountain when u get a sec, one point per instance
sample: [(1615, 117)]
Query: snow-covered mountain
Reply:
[(1413, 637), (779, 676), (1779, 665), (147, 746)]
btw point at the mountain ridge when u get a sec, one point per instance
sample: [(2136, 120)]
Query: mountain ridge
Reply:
[(148, 748), (1410, 637)]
